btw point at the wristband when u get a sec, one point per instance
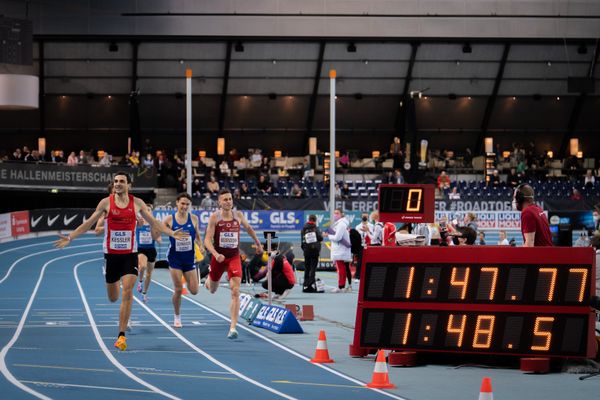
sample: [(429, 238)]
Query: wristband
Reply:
[(69, 237)]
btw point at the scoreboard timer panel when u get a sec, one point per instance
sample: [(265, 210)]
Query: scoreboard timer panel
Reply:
[(406, 203), (492, 299)]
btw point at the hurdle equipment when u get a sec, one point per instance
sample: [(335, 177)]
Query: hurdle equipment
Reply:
[(485, 393), (321, 353), (380, 379)]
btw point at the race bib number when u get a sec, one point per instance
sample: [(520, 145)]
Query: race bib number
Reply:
[(145, 237), (310, 237), (184, 244), (228, 240), (120, 240)]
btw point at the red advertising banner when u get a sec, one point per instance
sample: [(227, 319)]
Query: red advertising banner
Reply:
[(19, 222)]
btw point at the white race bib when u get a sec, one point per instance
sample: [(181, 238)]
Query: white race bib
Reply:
[(145, 237), (310, 237), (228, 240), (184, 244), (120, 240)]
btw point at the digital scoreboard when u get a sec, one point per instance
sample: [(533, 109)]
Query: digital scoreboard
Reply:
[(477, 299), (406, 203)]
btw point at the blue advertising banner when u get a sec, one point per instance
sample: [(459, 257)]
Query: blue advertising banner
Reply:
[(258, 220), (277, 319)]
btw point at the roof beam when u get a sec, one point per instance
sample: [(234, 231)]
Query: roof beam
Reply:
[(310, 119), (223, 106), (489, 107), (400, 124), (578, 106)]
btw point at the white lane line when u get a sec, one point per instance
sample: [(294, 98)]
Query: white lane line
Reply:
[(3, 368), (59, 385), (211, 358), (35, 244), (38, 253), (105, 350), (282, 347)]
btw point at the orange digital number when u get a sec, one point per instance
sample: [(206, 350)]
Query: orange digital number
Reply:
[(406, 328), (459, 330), (463, 283), (494, 272), (410, 282), (551, 271), (584, 273), (410, 200), (542, 333), (485, 333)]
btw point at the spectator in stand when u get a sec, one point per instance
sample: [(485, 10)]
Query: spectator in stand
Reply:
[(265, 166), (443, 181), (454, 195), (396, 152), (244, 191), (224, 169), (255, 158), (469, 220), (213, 185), (58, 156), (481, 238), (105, 161), (588, 179), (236, 194), (196, 188), (513, 180), (345, 160), (502, 240), (17, 155), (148, 161), (338, 191), (596, 218), (34, 156), (134, 159), (263, 185), (576, 195), (495, 178), (397, 177), (72, 160), (296, 192), (25, 152), (345, 192), (207, 203), (82, 159)]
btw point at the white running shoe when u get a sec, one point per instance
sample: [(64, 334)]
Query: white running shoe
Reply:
[(177, 322), (144, 297), (336, 290), (233, 334)]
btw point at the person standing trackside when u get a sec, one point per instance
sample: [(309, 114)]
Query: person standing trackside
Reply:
[(181, 252), (341, 254), (311, 239), (222, 241), (146, 238), (120, 247), (365, 228), (534, 223), (376, 235)]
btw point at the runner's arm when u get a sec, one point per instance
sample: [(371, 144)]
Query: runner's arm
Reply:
[(99, 230), (101, 210), (198, 239), (251, 232), (210, 233), (141, 206)]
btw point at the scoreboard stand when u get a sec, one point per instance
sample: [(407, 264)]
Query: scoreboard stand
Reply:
[(531, 303)]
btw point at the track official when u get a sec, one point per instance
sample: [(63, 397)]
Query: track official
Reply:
[(534, 223)]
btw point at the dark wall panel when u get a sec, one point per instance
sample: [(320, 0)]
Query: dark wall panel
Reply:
[(443, 113), (370, 112), (590, 114), (528, 113), (260, 112), (168, 112), (11, 121), (80, 112)]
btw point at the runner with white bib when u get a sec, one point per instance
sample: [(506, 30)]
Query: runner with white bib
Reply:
[(181, 252), (146, 237)]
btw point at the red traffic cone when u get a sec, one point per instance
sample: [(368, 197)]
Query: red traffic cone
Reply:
[(321, 353), (485, 393), (184, 291), (381, 379)]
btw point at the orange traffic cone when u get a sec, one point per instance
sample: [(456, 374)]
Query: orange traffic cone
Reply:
[(381, 379), (184, 291), (322, 354), (485, 393)]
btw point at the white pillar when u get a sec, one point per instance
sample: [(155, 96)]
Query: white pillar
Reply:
[(188, 129), (332, 75)]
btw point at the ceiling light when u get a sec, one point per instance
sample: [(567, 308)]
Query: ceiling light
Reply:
[(239, 47), (351, 48), (467, 48), (113, 47), (452, 96), (272, 96), (358, 96)]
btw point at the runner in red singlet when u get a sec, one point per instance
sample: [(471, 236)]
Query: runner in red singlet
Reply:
[(222, 240), (120, 247)]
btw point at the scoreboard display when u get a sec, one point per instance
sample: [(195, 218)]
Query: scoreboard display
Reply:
[(406, 203), (477, 299)]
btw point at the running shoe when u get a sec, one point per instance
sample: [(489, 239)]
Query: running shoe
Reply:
[(139, 287), (144, 297), (336, 290), (121, 343), (233, 334), (177, 322)]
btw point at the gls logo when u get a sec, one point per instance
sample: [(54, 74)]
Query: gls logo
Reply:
[(283, 217)]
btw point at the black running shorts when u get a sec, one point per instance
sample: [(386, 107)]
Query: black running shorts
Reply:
[(150, 253), (119, 265)]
